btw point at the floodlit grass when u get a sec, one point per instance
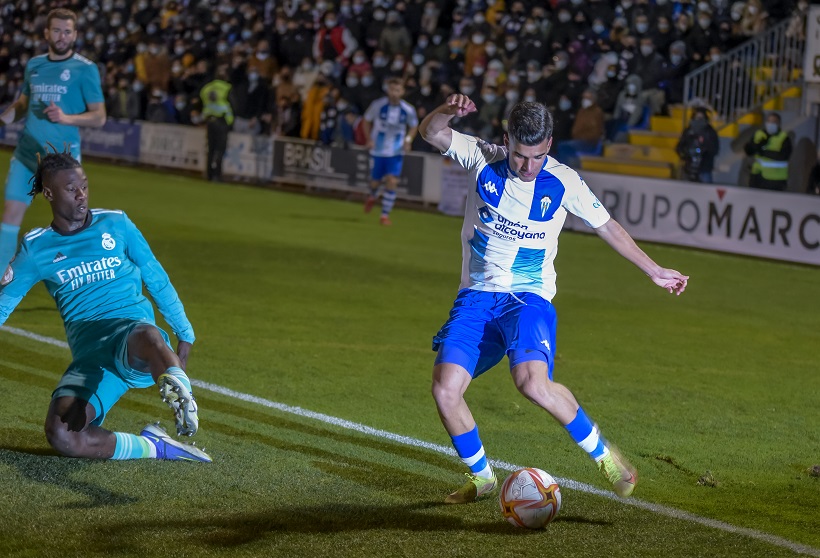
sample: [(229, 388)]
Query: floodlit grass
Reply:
[(308, 302)]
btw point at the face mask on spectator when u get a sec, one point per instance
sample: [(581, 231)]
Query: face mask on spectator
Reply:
[(180, 105), (631, 88), (246, 34), (137, 86), (530, 28), (598, 28), (646, 50), (626, 4), (253, 77), (423, 42), (179, 50), (488, 97), (772, 128), (437, 39), (529, 98), (352, 81), (379, 15), (704, 7), (261, 55), (397, 65), (511, 45), (426, 90), (478, 39), (532, 77), (358, 59), (367, 81), (330, 23), (663, 27), (307, 66), (468, 90), (418, 59), (121, 35), (560, 64), (380, 61), (176, 68), (564, 104), (714, 57), (611, 73), (478, 19), (511, 95), (478, 70), (641, 27), (151, 29), (586, 103), (564, 17), (357, 8), (704, 22), (675, 59), (153, 49)]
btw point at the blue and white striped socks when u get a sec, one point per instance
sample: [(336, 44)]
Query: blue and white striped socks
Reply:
[(388, 201), (471, 451), (587, 436)]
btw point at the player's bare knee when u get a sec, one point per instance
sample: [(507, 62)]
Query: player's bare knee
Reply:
[(446, 397), (67, 443)]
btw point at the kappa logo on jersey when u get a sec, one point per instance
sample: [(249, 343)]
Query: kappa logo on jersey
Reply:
[(108, 241), (490, 187), (546, 344), (7, 276), (58, 258), (66, 75), (485, 215), (545, 205)]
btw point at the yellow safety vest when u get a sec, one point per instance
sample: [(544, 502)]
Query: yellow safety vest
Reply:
[(767, 168), (215, 102)]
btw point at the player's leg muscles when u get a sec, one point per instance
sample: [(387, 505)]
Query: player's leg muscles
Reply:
[(450, 381), (148, 351), (69, 430), (532, 380)]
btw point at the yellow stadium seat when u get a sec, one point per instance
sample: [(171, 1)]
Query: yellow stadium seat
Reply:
[(630, 167)]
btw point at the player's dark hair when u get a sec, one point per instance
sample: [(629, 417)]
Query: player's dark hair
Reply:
[(49, 164), (394, 80), (529, 123), (61, 13)]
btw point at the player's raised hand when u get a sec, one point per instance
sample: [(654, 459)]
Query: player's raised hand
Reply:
[(461, 105), (55, 113), (671, 280)]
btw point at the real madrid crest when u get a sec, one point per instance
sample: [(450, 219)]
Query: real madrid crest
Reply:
[(108, 241), (66, 75)]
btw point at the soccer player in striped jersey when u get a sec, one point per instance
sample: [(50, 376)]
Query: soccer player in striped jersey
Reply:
[(94, 264), (390, 125), (518, 200), (61, 91)]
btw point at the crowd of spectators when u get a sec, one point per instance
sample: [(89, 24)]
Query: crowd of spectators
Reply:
[(310, 68)]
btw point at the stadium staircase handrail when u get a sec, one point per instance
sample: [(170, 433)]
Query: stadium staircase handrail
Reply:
[(744, 79)]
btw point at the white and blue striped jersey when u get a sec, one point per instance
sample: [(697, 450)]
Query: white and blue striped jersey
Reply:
[(510, 235), (390, 126)]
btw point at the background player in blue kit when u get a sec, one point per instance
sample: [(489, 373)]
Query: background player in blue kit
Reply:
[(390, 125), (517, 203), (94, 264), (61, 91)]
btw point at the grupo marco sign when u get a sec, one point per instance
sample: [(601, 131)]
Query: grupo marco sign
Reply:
[(725, 218)]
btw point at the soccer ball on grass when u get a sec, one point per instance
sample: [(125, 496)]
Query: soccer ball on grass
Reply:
[(530, 498)]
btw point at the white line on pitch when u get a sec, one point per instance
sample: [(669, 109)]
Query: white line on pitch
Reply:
[(406, 440)]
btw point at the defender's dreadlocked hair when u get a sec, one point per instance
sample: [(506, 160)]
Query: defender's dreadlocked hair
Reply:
[(49, 164)]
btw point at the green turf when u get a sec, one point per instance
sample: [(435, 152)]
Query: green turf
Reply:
[(308, 302)]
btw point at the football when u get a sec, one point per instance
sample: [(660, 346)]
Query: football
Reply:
[(530, 498)]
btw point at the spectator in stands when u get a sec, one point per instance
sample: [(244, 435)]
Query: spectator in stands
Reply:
[(157, 109), (359, 64), (490, 114), (649, 65), (556, 82), (313, 106), (697, 148), (563, 118), (674, 72), (475, 53), (771, 148), (262, 63), (288, 117), (329, 117), (304, 76), (702, 38), (295, 45), (136, 101), (754, 18), (609, 91), (333, 41), (429, 20), (252, 97), (683, 26), (156, 66), (534, 44), (395, 38), (663, 35), (587, 131), (631, 109)]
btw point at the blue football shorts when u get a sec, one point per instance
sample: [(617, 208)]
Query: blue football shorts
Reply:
[(485, 326), (383, 166), (100, 373), (19, 180)]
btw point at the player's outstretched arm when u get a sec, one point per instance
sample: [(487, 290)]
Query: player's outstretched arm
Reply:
[(435, 128), (614, 234), (94, 117), (14, 111)]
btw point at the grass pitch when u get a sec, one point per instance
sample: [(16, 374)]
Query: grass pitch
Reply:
[(309, 303)]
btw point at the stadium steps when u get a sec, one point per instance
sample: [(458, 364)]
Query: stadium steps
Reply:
[(631, 167)]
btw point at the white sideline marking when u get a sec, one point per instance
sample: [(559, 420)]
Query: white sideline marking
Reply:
[(406, 440)]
